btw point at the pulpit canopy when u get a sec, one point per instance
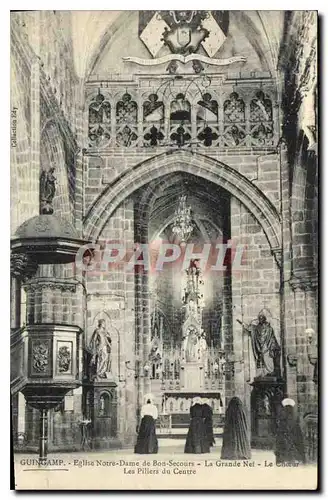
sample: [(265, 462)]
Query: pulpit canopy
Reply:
[(48, 239)]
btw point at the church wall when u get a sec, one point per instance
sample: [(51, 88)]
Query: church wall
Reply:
[(298, 62), (24, 203), (301, 297), (48, 34), (39, 97)]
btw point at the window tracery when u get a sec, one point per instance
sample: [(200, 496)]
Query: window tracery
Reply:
[(153, 121), (234, 121), (126, 121), (207, 120), (183, 120), (99, 121), (261, 120), (180, 120)]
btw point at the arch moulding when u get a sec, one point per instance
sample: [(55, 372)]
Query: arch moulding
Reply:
[(193, 163)]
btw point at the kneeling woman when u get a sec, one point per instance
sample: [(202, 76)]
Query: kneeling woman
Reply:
[(197, 441), (147, 441)]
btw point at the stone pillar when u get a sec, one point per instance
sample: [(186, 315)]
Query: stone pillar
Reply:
[(255, 287), (287, 299), (143, 332), (81, 125), (15, 302), (43, 435), (305, 304), (146, 331), (22, 268)]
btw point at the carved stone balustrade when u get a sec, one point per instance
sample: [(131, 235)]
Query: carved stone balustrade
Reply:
[(204, 111)]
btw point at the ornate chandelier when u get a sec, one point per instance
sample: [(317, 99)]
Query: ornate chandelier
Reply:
[(182, 224)]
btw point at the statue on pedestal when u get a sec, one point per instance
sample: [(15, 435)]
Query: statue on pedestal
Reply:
[(47, 190), (202, 345), (190, 345), (100, 348), (265, 347)]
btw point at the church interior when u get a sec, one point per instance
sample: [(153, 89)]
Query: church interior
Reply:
[(162, 128)]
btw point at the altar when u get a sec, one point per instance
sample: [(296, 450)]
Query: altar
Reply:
[(176, 405), (189, 368)]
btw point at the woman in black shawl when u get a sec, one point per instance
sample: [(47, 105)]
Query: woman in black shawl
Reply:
[(289, 438), (208, 421), (236, 445), (196, 438), (147, 441)]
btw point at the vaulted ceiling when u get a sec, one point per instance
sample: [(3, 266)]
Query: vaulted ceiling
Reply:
[(210, 205), (94, 31)]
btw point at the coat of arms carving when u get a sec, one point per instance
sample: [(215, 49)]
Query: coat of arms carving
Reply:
[(185, 33)]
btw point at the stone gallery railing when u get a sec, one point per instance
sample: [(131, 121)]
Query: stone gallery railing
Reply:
[(181, 111)]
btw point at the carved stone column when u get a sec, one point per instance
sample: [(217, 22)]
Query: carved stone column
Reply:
[(22, 267), (305, 304)]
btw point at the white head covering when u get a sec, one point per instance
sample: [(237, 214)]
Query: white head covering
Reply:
[(149, 397), (288, 402), (206, 401), (149, 408), (197, 400)]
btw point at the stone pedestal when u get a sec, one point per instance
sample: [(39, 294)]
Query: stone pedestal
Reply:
[(100, 404), (266, 397)]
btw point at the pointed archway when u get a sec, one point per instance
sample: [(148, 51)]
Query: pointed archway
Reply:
[(184, 161)]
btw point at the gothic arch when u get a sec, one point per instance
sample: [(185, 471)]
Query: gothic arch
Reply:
[(199, 165)]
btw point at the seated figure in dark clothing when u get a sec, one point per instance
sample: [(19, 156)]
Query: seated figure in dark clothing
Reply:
[(236, 444), (147, 440), (196, 438), (289, 438), (208, 421)]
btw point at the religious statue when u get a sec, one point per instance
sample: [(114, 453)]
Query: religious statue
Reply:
[(265, 346), (264, 406), (47, 191), (155, 354), (191, 345), (192, 308), (100, 348), (202, 345)]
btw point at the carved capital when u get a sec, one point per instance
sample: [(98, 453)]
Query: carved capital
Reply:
[(305, 282), (277, 254), (292, 359), (52, 284), (22, 266)]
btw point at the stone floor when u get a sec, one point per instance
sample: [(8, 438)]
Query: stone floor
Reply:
[(170, 469)]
